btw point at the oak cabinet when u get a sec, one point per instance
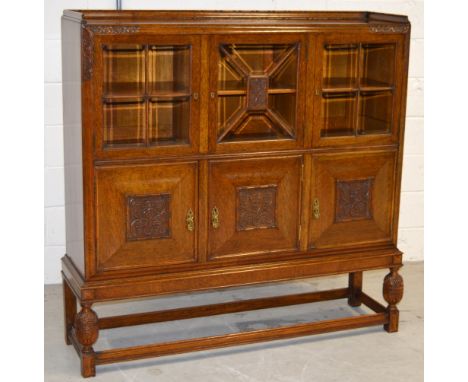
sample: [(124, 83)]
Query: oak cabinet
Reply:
[(216, 149)]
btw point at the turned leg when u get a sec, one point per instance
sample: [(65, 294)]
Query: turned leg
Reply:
[(393, 293), (87, 331), (69, 308), (355, 288)]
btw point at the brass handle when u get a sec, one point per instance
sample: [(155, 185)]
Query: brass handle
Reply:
[(190, 220), (195, 96), (215, 218), (316, 208)]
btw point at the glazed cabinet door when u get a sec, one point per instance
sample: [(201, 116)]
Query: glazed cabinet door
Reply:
[(256, 92), (147, 95), (254, 206), (352, 199), (358, 89), (146, 215)]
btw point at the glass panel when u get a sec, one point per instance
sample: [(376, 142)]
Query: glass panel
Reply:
[(257, 86), (340, 66), (255, 58), (229, 78), (146, 105), (254, 127), (285, 76), (124, 123), (124, 69), (228, 107), (283, 106), (378, 65), (169, 70), (338, 112), (169, 121), (375, 112)]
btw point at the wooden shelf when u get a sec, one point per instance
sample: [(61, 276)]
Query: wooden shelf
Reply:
[(234, 92), (224, 93), (169, 94), (282, 91), (341, 85), (141, 98)]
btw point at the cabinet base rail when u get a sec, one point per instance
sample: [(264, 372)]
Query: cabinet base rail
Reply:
[(90, 358)]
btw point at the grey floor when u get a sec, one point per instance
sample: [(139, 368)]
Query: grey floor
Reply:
[(368, 354)]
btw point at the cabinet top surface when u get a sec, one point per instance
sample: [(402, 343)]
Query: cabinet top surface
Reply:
[(233, 17)]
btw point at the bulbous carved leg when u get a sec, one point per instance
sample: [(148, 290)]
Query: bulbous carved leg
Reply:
[(87, 332), (69, 308), (393, 293), (355, 288)]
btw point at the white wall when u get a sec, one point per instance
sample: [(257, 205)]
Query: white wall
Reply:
[(411, 218)]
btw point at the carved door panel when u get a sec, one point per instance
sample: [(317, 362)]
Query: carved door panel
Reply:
[(146, 215), (147, 95), (358, 87), (254, 206), (352, 199), (256, 95)]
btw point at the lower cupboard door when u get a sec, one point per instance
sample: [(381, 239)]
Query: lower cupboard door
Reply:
[(352, 199), (254, 206), (146, 215)]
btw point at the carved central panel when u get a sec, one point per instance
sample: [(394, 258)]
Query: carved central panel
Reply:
[(256, 207), (353, 200), (148, 217), (257, 93)]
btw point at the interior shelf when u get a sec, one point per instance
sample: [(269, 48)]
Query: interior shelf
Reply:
[(169, 95), (244, 92), (234, 92), (343, 85)]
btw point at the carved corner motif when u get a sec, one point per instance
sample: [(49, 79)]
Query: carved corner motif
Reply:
[(389, 28), (88, 48), (148, 217), (256, 207), (88, 32), (113, 29), (353, 200)]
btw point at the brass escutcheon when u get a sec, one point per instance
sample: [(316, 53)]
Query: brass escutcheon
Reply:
[(190, 220), (215, 217), (316, 208)]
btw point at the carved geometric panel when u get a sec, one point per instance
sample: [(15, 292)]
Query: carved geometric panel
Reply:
[(256, 207), (353, 200), (148, 217), (257, 92)]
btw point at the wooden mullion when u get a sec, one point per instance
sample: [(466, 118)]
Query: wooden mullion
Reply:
[(277, 65), (147, 100), (358, 85), (232, 123)]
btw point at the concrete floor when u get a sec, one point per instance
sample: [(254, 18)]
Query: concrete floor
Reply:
[(368, 354)]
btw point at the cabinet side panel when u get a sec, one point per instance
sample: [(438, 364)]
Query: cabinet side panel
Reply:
[(71, 82)]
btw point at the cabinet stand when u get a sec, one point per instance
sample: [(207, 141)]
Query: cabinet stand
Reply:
[(82, 332)]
